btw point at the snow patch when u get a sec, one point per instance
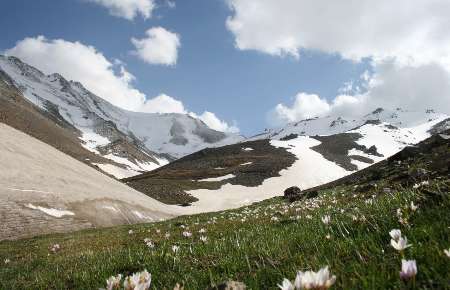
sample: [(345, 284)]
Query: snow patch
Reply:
[(248, 149), (111, 208), (245, 164), (220, 178), (142, 216), (359, 164), (51, 211), (116, 171), (92, 140), (309, 170)]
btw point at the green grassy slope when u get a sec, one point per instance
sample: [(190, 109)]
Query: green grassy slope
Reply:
[(268, 241)]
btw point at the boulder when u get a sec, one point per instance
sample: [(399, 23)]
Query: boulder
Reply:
[(292, 192)]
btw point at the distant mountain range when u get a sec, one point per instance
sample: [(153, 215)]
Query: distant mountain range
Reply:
[(125, 143), (168, 164), (305, 154)]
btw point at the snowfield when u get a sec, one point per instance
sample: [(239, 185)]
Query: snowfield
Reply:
[(220, 178), (40, 181), (310, 170)]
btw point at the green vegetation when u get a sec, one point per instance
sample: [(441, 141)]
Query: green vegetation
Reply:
[(258, 245), (263, 243)]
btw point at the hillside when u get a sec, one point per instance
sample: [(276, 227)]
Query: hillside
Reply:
[(345, 226), (43, 190), (132, 142), (240, 174)]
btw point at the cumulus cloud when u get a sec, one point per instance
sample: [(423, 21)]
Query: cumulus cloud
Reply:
[(390, 86), (164, 104), (407, 41), (128, 9), (83, 63), (305, 106), (160, 46), (411, 31), (109, 80), (215, 123)]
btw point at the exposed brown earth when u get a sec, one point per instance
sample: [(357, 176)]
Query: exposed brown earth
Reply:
[(169, 184)]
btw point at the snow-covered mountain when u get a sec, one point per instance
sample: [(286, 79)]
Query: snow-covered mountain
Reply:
[(304, 154), (332, 124), (133, 142), (387, 130)]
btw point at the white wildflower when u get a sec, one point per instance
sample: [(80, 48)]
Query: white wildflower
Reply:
[(203, 239), (130, 232), (287, 285), (314, 280), (55, 248), (326, 219), (149, 243), (175, 249), (202, 231), (138, 281), (187, 234), (447, 252), (409, 269), (413, 206), (7, 261), (395, 234), (400, 244), (113, 282)]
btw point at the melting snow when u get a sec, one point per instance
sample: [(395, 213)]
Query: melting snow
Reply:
[(247, 163), (220, 178), (359, 164), (248, 149), (92, 140), (132, 168), (141, 216), (51, 211), (110, 208), (309, 170)]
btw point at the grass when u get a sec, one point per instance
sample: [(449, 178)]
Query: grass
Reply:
[(258, 245)]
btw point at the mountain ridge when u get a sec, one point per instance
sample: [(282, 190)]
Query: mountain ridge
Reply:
[(154, 139)]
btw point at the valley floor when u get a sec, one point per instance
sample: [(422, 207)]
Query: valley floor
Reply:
[(258, 245)]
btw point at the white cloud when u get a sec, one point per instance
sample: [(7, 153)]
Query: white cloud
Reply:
[(305, 106), (410, 31), (159, 47), (408, 42), (110, 81), (128, 9), (410, 87), (215, 123), (164, 104), (83, 63)]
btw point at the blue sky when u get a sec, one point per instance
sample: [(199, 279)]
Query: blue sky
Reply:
[(211, 72)]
